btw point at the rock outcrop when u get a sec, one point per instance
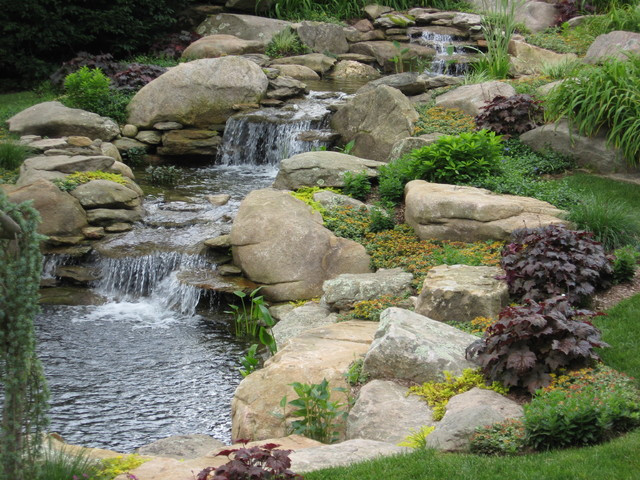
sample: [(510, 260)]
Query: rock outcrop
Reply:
[(471, 98)]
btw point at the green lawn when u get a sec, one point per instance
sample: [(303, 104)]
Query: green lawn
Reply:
[(12, 103), (606, 189), (615, 460)]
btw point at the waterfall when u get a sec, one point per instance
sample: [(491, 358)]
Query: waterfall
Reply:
[(50, 264), (266, 136), (445, 61), (153, 276)]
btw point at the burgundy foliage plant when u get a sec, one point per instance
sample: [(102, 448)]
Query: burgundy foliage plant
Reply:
[(511, 115)]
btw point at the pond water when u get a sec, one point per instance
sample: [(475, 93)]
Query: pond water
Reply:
[(155, 360)]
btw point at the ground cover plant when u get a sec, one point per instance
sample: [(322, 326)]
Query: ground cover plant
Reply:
[(74, 180), (448, 121)]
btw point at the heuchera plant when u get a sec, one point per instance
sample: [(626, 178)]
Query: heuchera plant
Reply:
[(135, 76), (262, 462), (511, 115), (529, 342), (544, 262)]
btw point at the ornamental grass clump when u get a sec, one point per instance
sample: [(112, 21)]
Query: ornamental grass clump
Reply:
[(530, 342), (603, 98), (548, 261)]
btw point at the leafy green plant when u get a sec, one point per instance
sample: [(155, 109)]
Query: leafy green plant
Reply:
[(356, 185), (134, 157), (250, 361), (548, 261), (263, 462), (511, 115), (417, 438), (582, 413), (348, 148), (612, 221), (438, 394), (163, 175), (319, 417), (284, 44), (503, 438), (625, 263), (12, 155), (253, 320), (399, 58), (381, 218), (530, 342), (604, 97)]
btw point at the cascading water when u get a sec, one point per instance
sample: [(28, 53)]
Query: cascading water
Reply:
[(150, 362), (448, 54)]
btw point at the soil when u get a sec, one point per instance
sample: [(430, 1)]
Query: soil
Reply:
[(609, 298)]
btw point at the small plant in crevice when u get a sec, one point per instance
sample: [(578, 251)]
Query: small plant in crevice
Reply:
[(285, 44), (74, 180), (356, 185), (528, 343), (250, 362), (511, 115), (625, 263), (262, 462), (417, 438), (253, 320), (163, 175), (438, 394), (548, 261), (399, 58), (318, 416), (354, 375)]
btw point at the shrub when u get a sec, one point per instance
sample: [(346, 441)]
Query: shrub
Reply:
[(381, 219), (104, 62), (284, 44), (530, 342), (544, 262), (136, 76), (173, 44), (318, 415), (88, 89), (612, 221), (71, 182), (591, 406), (450, 159), (503, 438), (356, 185), (165, 175), (134, 156), (511, 115), (607, 96), (438, 394), (625, 263), (262, 462), (448, 121), (12, 155)]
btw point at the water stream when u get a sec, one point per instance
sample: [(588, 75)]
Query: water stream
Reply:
[(449, 53), (154, 360)]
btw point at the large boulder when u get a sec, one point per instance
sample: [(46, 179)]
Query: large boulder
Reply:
[(323, 37), (106, 194), (213, 46), (190, 142), (247, 27), (386, 53), (408, 144), (466, 412), (462, 292), (528, 59), (301, 319), (321, 353), (350, 69), (52, 119), (299, 72), (343, 291), (471, 98), (375, 120), (537, 16), (615, 44), (411, 347), (341, 454), (452, 212), (67, 164), (278, 241), (321, 168), (199, 93), (62, 215), (181, 446), (318, 62), (385, 411), (411, 83), (593, 153)]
